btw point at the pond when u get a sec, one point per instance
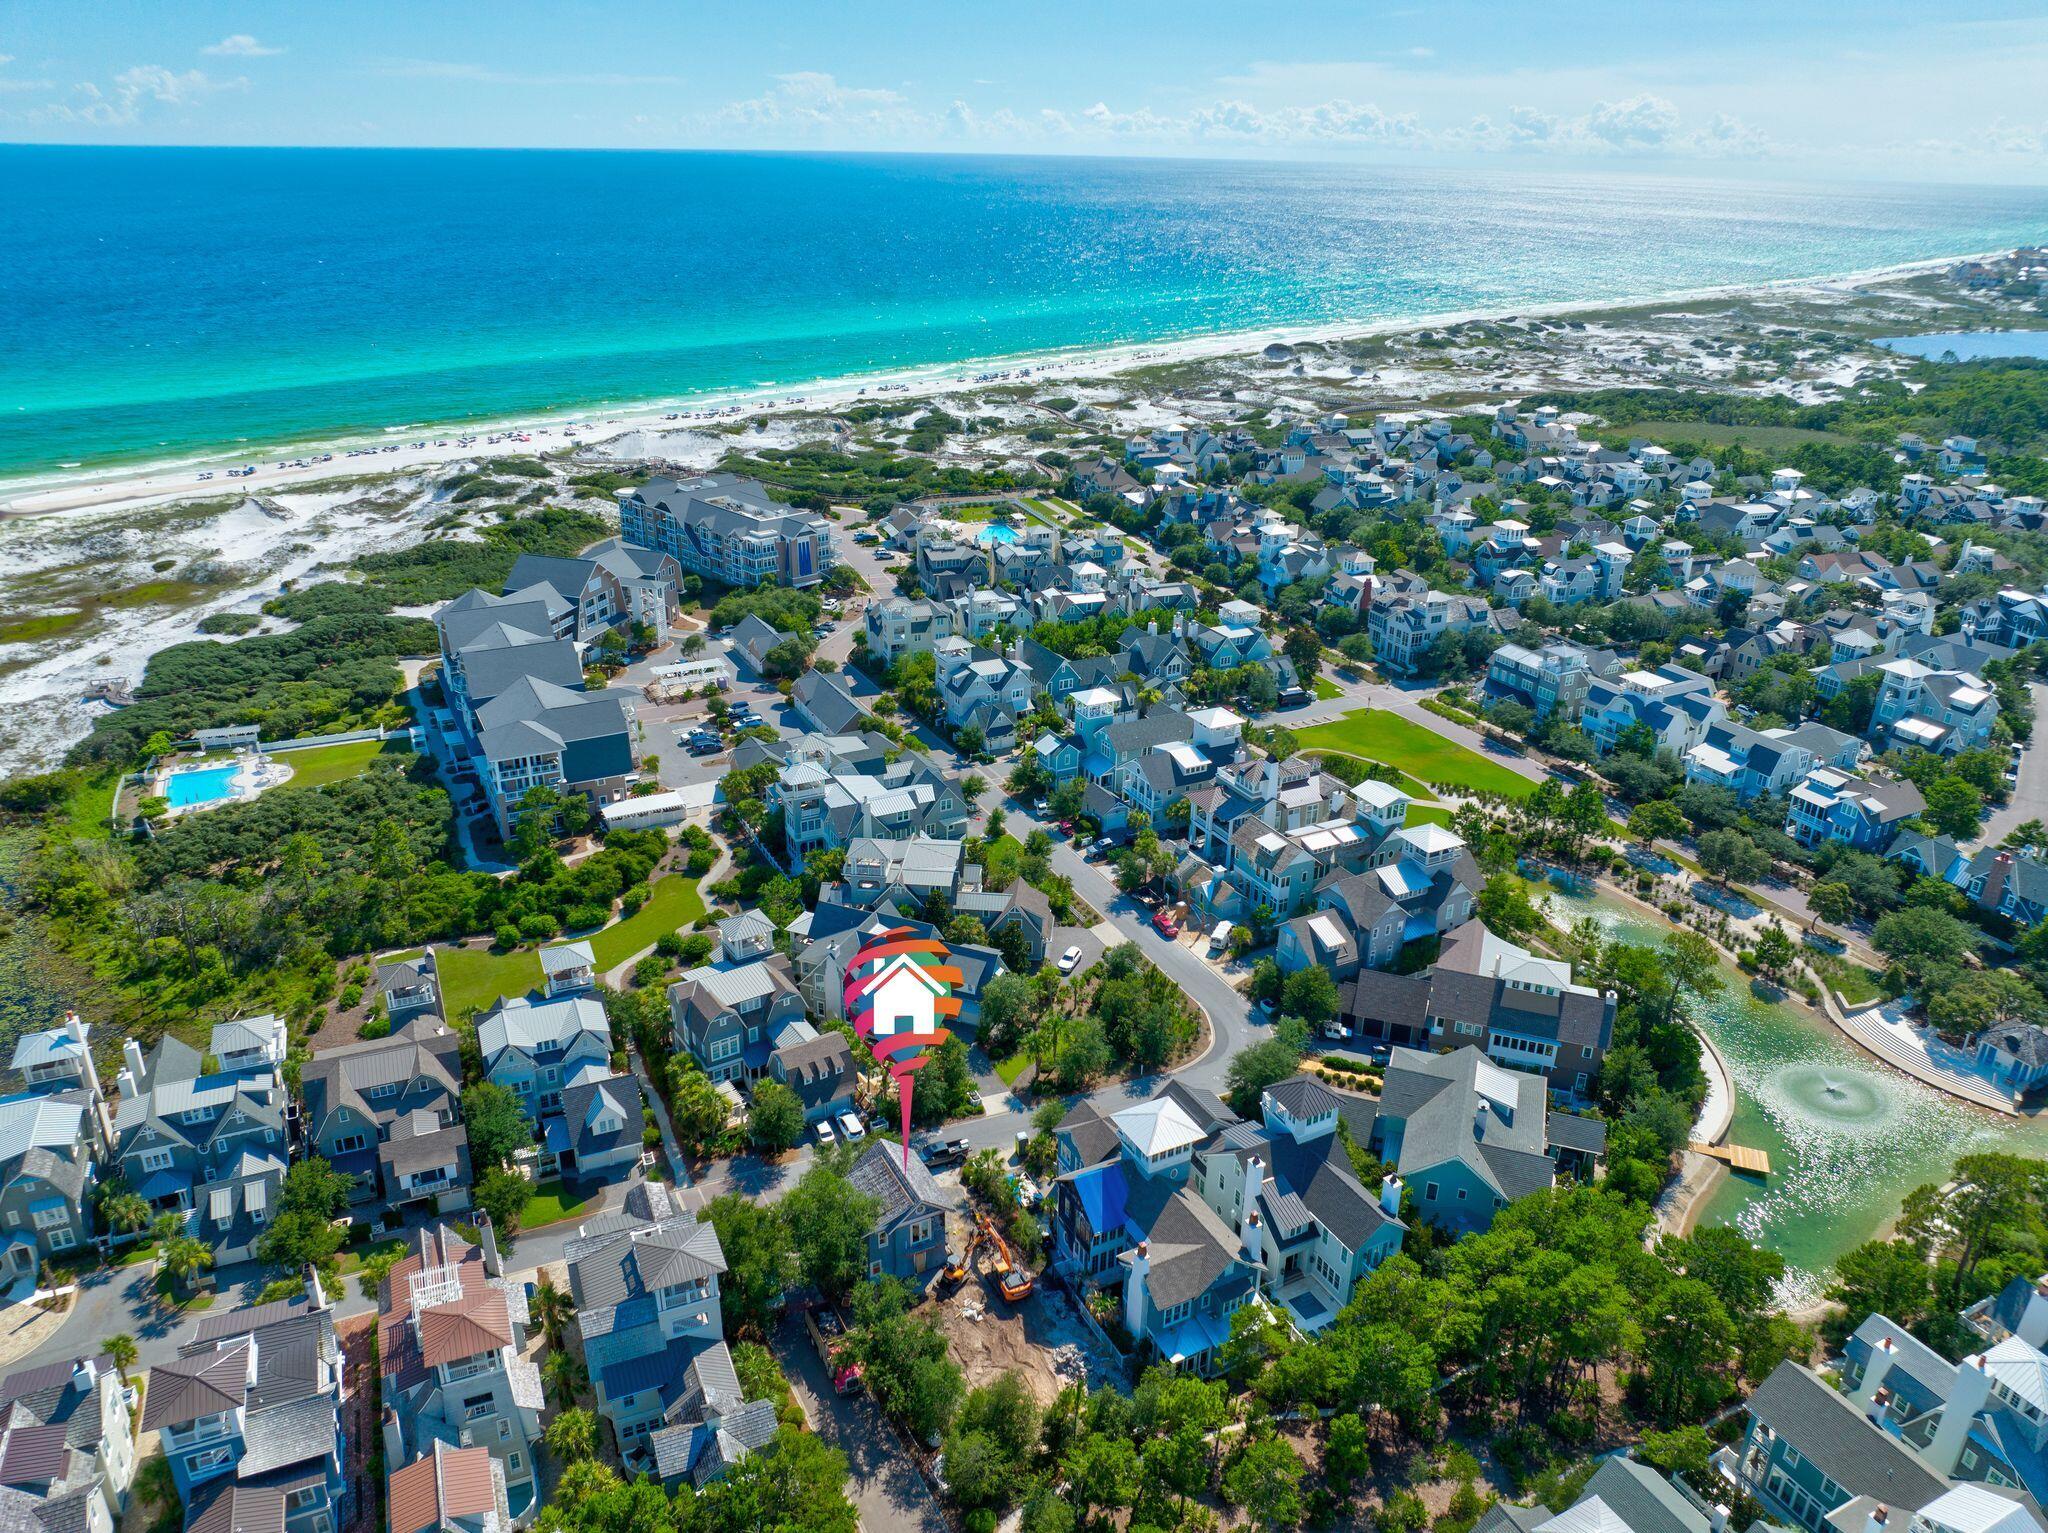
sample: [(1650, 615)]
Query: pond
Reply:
[(1848, 1137), (1970, 345)]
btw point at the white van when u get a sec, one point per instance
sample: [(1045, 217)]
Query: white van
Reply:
[(1219, 939)]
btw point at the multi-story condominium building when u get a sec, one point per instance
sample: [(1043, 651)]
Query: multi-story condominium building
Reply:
[(388, 1111), (1549, 680), (610, 587), (647, 1308), (1861, 812), (1676, 705), (210, 1147), (252, 1407), (1195, 1212), (1522, 1011), (451, 1328), (729, 529), (69, 1445), (1469, 1137), (1944, 711)]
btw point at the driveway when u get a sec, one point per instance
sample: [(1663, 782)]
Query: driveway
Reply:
[(882, 1482)]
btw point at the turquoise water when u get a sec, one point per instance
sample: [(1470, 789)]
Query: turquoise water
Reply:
[(996, 532), (199, 785), (1968, 345), (156, 303), (1847, 1136)]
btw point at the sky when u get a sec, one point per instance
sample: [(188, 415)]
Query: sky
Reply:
[(1783, 88)]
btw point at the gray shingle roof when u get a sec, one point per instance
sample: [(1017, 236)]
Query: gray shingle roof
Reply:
[(903, 1191), (1826, 1427)]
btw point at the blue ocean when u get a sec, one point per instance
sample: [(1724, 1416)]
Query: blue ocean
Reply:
[(159, 303)]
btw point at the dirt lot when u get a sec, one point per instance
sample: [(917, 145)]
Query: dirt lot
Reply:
[(1042, 1339)]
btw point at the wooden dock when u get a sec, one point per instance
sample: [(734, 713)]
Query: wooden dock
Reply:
[(1739, 1157)]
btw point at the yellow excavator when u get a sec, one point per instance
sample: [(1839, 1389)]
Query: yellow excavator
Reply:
[(1013, 1282)]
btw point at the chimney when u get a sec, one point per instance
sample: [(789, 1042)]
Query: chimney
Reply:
[(316, 1297), (1134, 1291), (1254, 1240), (487, 1236), (2033, 1327), (1995, 882), (84, 1374), (131, 1078), (79, 1032), (1390, 1196), (1254, 1184), (1972, 1389), (1882, 1357), (1879, 1516), (1152, 627)]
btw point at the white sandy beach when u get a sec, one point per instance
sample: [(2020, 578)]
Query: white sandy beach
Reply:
[(412, 447)]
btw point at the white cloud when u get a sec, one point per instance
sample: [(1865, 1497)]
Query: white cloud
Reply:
[(810, 103), (132, 94), (478, 74), (239, 45)]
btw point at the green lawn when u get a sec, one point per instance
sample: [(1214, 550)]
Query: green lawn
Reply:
[(1377, 735), (1325, 688), (1428, 814), (323, 764), (353, 1257), (1007, 1070), (674, 903), (550, 1204), (474, 979)]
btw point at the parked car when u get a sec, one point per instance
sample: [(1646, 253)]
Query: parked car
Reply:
[(828, 1335), (1163, 923), (1070, 960), (826, 1138), (1103, 844), (943, 1152), (851, 1128)]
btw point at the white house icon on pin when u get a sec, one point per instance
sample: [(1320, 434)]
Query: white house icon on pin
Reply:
[(905, 1000)]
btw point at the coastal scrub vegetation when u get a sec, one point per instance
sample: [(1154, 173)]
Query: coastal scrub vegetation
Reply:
[(816, 475), (251, 904)]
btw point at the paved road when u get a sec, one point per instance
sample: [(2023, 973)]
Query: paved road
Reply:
[(2029, 799), (113, 1300)]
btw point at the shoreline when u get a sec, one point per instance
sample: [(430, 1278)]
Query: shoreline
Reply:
[(56, 491)]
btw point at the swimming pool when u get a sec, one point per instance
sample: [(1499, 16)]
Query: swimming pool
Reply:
[(199, 785), (996, 532)]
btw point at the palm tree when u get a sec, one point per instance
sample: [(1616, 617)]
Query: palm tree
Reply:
[(572, 1436), (121, 1349), (551, 1306), (126, 1210), (185, 1258), (166, 1227), (565, 1376)]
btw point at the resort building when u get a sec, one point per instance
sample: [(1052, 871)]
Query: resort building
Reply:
[(728, 529)]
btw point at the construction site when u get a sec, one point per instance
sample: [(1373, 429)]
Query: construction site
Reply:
[(1036, 1334)]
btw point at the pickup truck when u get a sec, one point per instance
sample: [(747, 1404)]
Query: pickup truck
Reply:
[(828, 1335)]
